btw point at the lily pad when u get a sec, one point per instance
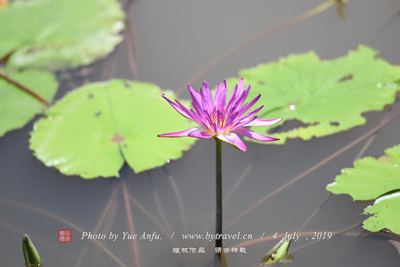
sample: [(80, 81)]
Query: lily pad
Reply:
[(56, 35), (17, 107), (323, 95), (385, 213), (370, 177), (93, 130), (374, 179)]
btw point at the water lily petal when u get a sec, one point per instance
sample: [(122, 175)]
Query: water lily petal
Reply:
[(195, 96), (251, 113), (181, 133), (201, 134), (261, 122), (232, 98), (248, 106), (196, 116), (217, 93), (179, 109), (236, 97), (206, 97), (220, 96), (233, 139), (242, 123), (242, 98), (192, 116), (240, 87), (254, 135), (199, 110)]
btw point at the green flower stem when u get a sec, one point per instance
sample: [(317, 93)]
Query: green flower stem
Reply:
[(218, 214)]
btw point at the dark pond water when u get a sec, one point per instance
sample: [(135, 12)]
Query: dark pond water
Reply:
[(175, 40)]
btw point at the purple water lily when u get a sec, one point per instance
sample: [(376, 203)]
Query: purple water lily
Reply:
[(220, 120)]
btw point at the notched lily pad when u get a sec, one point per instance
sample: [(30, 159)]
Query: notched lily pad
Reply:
[(370, 177), (385, 213), (57, 35), (18, 107), (93, 130), (374, 179), (323, 95)]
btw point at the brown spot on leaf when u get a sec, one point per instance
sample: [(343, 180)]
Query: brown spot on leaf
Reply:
[(334, 123), (261, 82), (98, 113), (346, 78), (90, 95), (30, 50), (117, 138), (38, 48)]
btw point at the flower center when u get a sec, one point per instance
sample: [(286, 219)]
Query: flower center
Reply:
[(218, 117)]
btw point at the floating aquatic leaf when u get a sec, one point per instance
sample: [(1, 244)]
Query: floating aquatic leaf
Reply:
[(385, 213), (372, 179), (60, 34), (18, 107), (323, 95), (94, 129)]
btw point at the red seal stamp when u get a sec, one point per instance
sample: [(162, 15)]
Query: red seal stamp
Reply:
[(64, 235)]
